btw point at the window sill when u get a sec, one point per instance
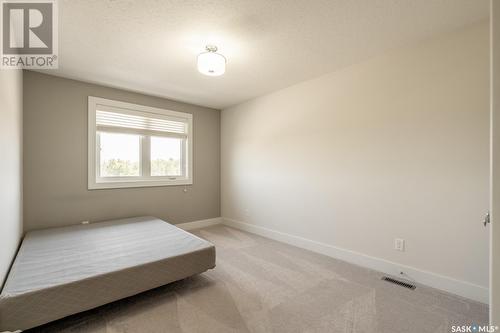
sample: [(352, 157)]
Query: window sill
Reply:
[(137, 183)]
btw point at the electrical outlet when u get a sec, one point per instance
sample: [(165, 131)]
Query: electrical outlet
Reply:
[(399, 244)]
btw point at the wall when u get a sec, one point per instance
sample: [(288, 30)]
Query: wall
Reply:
[(495, 166), (393, 147), (11, 220), (55, 160)]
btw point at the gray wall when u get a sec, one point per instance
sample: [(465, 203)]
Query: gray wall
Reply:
[(11, 111), (55, 160)]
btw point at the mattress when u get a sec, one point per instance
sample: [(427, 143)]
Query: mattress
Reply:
[(61, 271)]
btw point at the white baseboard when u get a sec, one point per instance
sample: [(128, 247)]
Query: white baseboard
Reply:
[(457, 287), (199, 224)]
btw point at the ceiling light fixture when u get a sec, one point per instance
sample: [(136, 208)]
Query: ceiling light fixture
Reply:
[(211, 63)]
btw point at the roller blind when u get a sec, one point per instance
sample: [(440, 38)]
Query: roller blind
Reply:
[(112, 119)]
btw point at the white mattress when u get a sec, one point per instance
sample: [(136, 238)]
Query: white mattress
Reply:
[(61, 271)]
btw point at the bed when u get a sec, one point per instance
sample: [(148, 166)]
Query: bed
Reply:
[(61, 271)]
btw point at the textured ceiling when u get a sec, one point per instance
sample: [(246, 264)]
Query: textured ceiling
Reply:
[(151, 45)]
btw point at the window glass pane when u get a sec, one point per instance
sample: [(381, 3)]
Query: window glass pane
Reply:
[(120, 155), (166, 156)]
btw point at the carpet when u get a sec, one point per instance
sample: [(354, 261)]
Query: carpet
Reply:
[(260, 285)]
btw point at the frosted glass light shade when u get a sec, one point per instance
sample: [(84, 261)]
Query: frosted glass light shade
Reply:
[(211, 63)]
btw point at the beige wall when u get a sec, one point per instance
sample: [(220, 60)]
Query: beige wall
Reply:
[(393, 147), (495, 197), (11, 113), (55, 160)]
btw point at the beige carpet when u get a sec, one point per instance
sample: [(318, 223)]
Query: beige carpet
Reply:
[(260, 285)]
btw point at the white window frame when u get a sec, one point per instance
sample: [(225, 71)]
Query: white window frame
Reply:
[(96, 182)]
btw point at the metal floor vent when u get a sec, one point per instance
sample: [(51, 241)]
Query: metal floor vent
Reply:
[(400, 283)]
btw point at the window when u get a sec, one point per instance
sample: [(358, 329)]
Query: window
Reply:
[(137, 146), (119, 155), (166, 156)]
